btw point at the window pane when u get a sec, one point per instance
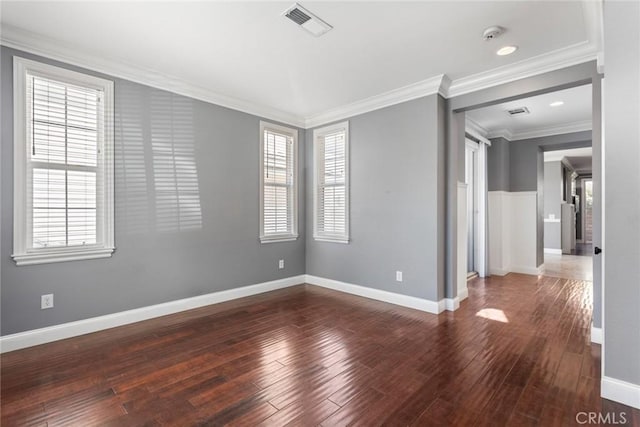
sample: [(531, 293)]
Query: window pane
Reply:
[(64, 132), (82, 227), (48, 143), (64, 208), (332, 190), (278, 182), (82, 147), (64, 123), (49, 208), (333, 207)]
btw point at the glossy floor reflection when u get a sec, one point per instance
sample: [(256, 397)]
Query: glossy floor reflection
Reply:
[(517, 352), (577, 267)]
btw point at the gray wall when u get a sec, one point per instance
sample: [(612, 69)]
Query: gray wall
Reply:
[(525, 152), (397, 202), (166, 250), (498, 165), (552, 202), (621, 92)]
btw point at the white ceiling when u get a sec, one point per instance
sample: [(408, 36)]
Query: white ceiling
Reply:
[(581, 164), (250, 53), (573, 115), (557, 155), (581, 159)]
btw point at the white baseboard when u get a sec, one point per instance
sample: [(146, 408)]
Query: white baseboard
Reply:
[(380, 295), (94, 324), (463, 293), (553, 251), (535, 271), (596, 335), (451, 304), (498, 272), (620, 391)]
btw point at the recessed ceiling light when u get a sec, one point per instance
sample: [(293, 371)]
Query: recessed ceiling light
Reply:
[(507, 50), (556, 104)]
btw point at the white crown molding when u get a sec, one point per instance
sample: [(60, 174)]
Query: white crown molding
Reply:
[(572, 55), (475, 127), (72, 329), (550, 61), (433, 85), (579, 126), (565, 161), (32, 43), (500, 133)]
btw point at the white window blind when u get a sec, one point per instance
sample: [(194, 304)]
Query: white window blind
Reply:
[(62, 161), (278, 175), (331, 198)]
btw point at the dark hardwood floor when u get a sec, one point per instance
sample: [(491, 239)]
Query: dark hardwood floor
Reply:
[(516, 353)]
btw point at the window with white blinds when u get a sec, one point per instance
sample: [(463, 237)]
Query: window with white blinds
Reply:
[(331, 183), (278, 182), (63, 164)]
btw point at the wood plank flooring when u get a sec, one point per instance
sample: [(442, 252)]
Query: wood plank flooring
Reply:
[(516, 353)]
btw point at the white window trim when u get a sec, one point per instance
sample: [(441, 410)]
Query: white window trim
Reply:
[(317, 134), (21, 254), (283, 237)]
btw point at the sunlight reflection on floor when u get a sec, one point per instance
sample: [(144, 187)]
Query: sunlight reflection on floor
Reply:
[(493, 314)]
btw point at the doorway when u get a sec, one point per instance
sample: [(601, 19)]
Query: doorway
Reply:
[(471, 160), (476, 204), (568, 232), (530, 219)]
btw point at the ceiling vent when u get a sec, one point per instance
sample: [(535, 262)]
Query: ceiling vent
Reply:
[(307, 20), (518, 111)]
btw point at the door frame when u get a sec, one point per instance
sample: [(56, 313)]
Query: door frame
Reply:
[(479, 150)]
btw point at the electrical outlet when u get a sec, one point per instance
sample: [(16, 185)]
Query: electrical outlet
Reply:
[(398, 276), (46, 301), (281, 264)]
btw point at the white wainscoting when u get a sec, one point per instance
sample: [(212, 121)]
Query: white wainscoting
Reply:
[(513, 232), (499, 211)]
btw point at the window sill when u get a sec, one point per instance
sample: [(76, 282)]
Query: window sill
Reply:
[(343, 240), (276, 239), (61, 256)]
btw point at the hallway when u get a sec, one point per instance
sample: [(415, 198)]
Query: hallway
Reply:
[(578, 266)]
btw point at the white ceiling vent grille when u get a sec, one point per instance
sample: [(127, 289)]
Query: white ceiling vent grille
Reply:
[(307, 20), (518, 111)]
